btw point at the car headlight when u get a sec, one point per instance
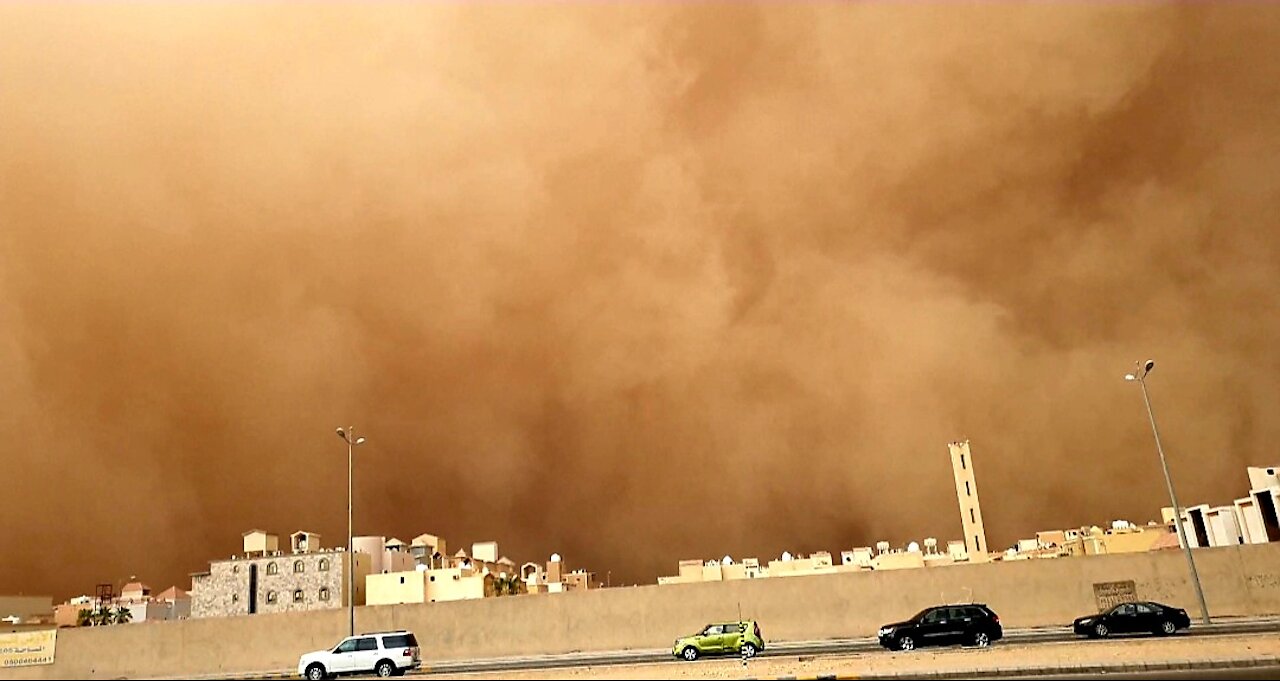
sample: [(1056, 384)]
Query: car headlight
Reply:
[(886, 630)]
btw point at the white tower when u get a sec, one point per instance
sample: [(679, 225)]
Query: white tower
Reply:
[(975, 536)]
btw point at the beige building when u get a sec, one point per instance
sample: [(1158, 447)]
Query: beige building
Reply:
[(898, 560), (554, 577), (1122, 537), (303, 541), (178, 600), (134, 592), (259, 543), (275, 581), (173, 603), (975, 534), (485, 552), (430, 586), (428, 550), (1258, 515), (386, 555)]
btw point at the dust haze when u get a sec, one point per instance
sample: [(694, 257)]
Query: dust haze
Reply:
[(633, 282)]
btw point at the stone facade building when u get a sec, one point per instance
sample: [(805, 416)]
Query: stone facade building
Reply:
[(277, 581)]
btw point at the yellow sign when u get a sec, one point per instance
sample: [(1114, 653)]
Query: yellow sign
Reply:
[(27, 648)]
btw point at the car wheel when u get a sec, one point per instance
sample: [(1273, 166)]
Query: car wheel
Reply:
[(385, 669), (981, 639), (906, 643), (315, 672), (689, 653), (1167, 628), (1100, 630), (748, 650)]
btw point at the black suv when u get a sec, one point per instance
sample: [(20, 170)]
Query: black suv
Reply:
[(969, 624)]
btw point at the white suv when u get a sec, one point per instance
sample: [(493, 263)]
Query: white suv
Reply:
[(385, 653)]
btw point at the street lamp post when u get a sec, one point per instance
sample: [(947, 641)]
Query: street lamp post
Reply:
[(349, 436), (1140, 375)]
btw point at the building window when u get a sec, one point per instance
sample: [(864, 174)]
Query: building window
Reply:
[(962, 466), (402, 580), (324, 564), (297, 595), (235, 569), (976, 545), (973, 518), (967, 492), (235, 598), (271, 597), (324, 594), (273, 569), (433, 578), (298, 567)]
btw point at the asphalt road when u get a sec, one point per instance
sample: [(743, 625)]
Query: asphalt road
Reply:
[(1251, 673), (1050, 635), (802, 648)]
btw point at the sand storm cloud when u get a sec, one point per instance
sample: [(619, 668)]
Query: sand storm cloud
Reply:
[(634, 282)]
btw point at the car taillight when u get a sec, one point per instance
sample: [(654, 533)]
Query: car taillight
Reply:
[(408, 652), (996, 618)]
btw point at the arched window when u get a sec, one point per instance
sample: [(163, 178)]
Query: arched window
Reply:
[(235, 569), (324, 593), (271, 597), (272, 569), (297, 595), (324, 564), (298, 567)]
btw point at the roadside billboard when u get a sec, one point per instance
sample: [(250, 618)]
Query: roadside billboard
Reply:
[(27, 648)]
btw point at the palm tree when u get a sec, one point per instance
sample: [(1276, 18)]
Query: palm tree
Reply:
[(84, 618), (121, 615), (508, 586), (101, 616)]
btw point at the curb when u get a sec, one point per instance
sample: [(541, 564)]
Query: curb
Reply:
[(1082, 670)]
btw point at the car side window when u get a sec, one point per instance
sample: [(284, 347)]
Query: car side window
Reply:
[(1126, 609), (731, 628), (961, 613), (934, 616), (347, 646), (1144, 609), (713, 630), (368, 643)]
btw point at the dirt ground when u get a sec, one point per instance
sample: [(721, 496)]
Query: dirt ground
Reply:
[(999, 656)]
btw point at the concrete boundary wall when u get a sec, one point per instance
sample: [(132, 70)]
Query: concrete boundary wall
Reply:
[(1238, 581)]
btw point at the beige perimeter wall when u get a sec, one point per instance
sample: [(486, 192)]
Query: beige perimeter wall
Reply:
[(1241, 580)]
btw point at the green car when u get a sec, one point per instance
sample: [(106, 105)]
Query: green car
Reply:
[(721, 638)]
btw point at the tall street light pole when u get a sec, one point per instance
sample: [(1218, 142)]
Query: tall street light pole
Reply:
[(1140, 375), (349, 436)]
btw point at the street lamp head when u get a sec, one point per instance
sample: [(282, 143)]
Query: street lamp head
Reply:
[(1151, 364), (342, 433), (1130, 377), (360, 440)]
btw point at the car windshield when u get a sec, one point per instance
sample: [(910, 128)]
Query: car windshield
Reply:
[(920, 615), (346, 646)]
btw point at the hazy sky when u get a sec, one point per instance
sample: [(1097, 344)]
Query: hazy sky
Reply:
[(632, 282)]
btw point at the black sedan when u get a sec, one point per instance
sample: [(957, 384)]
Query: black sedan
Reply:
[(1132, 618)]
